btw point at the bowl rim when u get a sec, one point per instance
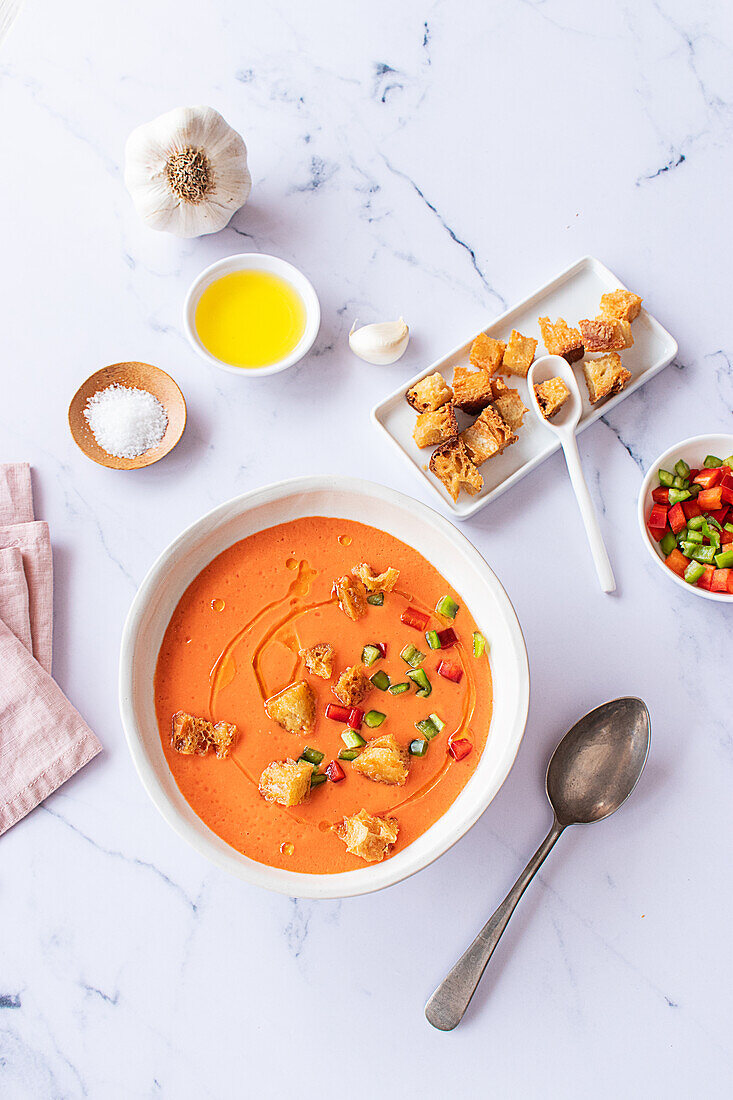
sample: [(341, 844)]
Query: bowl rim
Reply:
[(644, 500), (254, 261), (297, 884)]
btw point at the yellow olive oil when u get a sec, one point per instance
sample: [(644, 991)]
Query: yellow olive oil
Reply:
[(250, 319)]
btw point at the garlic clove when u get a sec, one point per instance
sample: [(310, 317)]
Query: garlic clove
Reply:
[(382, 343)]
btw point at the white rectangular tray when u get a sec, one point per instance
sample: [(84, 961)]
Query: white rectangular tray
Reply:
[(575, 293)]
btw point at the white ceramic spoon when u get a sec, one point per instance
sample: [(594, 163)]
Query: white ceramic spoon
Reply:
[(564, 424)]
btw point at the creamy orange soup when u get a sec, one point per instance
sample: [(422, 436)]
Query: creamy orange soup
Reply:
[(233, 642)]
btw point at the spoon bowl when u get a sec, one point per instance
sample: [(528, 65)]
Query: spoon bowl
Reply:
[(565, 421)]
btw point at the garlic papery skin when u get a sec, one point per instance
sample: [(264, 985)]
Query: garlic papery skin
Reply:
[(187, 171), (382, 343)]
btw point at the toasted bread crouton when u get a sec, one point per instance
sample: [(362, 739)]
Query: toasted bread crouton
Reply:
[(560, 339), (605, 376), (510, 406), (376, 582), (472, 389), (352, 686), (351, 595), (371, 838), (319, 659), (519, 354), (434, 426), (551, 396), (606, 334), (287, 782), (488, 435), (451, 464), (294, 708), (620, 305), (191, 735), (487, 353), (383, 761), (429, 393)]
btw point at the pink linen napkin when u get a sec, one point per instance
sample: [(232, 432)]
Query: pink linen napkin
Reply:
[(43, 739)]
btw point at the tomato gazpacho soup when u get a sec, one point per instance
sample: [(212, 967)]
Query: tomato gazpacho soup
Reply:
[(323, 695)]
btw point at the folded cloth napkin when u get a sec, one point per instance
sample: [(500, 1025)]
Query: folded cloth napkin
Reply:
[(43, 739)]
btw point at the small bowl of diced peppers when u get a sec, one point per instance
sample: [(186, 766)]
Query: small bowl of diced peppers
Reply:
[(686, 514)]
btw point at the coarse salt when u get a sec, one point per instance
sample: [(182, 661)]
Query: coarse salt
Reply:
[(125, 421)]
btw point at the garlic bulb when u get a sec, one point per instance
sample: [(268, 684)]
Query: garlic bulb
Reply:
[(187, 171), (382, 343)]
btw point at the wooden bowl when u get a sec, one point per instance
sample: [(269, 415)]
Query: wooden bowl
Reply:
[(140, 376)]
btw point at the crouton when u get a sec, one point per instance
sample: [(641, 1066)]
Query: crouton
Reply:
[(551, 396), (351, 595), (451, 464), (472, 389), (376, 582), (352, 686), (620, 305), (287, 782), (606, 334), (487, 353), (371, 838), (488, 435), (605, 376), (294, 708), (433, 427), (519, 354), (510, 406), (383, 761), (429, 393), (560, 339), (191, 735), (319, 659)]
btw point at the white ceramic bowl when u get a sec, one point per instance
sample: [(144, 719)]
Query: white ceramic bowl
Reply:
[(402, 517), (693, 451), (254, 261)]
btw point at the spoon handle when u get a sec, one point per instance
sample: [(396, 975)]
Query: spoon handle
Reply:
[(450, 1000), (588, 512)]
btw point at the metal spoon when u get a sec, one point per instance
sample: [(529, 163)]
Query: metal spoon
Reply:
[(592, 772)]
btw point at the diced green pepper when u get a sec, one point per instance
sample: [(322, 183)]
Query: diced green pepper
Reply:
[(376, 599), (427, 728), (681, 468), (668, 543), (447, 607), (710, 532), (380, 680), (479, 644), (370, 654), (665, 478), (412, 656), (688, 548), (313, 756), (693, 572), (374, 718), (705, 554), (348, 754), (729, 527), (317, 778), (418, 677), (680, 483), (437, 721), (694, 489), (398, 689), (418, 747), (728, 461), (432, 639), (694, 536), (676, 496), (352, 739), (711, 461), (695, 522), (724, 560)]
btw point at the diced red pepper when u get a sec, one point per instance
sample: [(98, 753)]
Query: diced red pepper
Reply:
[(710, 499), (658, 521), (692, 475), (660, 495), (335, 772), (726, 480), (447, 637), (417, 619), (337, 713), (725, 537), (677, 562), (676, 518), (691, 508), (720, 515), (450, 671), (459, 748), (355, 718), (727, 494), (710, 478), (382, 647), (730, 581), (706, 580), (720, 580)]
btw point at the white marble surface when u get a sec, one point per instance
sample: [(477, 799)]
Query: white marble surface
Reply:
[(438, 160)]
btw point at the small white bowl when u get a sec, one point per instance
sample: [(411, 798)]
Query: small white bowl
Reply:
[(254, 261), (693, 451)]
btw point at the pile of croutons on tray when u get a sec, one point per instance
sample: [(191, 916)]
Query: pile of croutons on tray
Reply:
[(498, 410)]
